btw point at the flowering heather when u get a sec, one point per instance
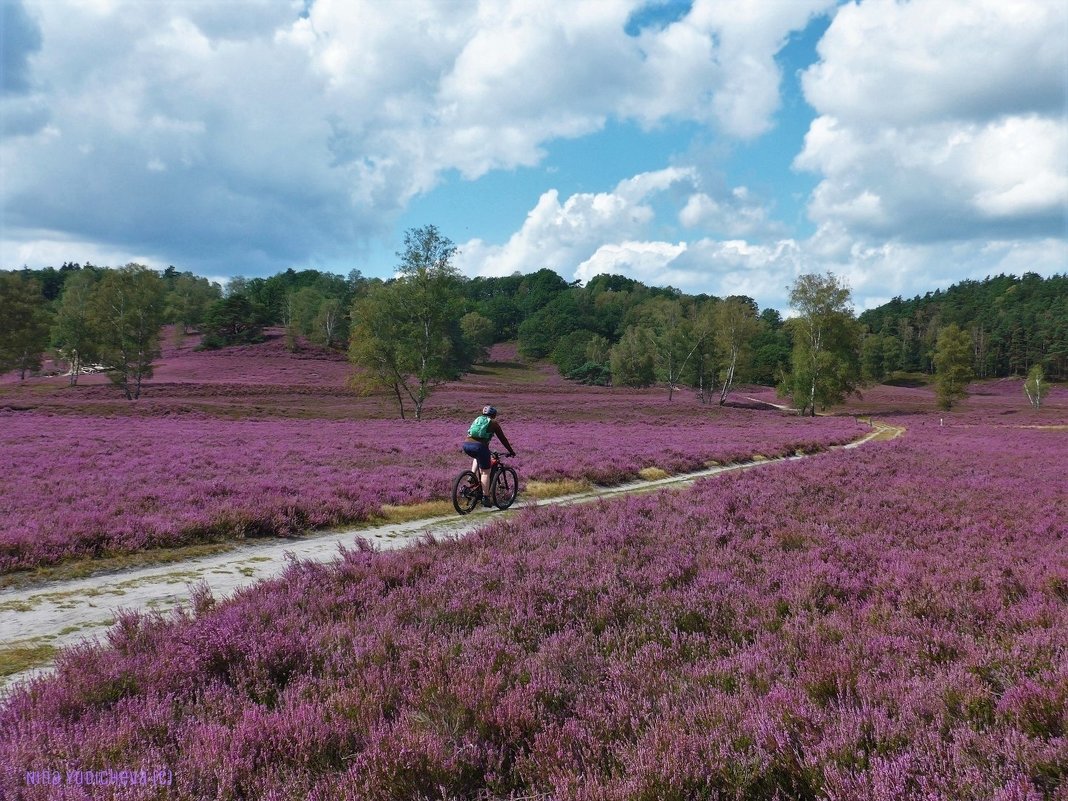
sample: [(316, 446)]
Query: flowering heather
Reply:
[(994, 402), (884, 623), (77, 485)]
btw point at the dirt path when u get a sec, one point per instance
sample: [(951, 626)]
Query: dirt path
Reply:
[(35, 621)]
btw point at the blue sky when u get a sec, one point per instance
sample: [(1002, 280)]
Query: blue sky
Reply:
[(720, 147)]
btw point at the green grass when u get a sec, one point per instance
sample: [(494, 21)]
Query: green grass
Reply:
[(83, 568), (511, 372), (19, 657)]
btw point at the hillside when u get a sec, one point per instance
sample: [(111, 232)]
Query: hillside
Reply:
[(1014, 323)]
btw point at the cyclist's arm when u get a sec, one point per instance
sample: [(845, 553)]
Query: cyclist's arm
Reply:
[(495, 427)]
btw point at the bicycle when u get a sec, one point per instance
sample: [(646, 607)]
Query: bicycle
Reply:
[(504, 486)]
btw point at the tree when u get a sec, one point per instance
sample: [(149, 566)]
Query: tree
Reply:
[(598, 350), (1036, 387), (736, 325), (1013, 324), (125, 313), (374, 343), (478, 331), (189, 298), (72, 334), (771, 350), (953, 365), (24, 324), (305, 303), (564, 313), (825, 365), (633, 358), (406, 334), (675, 336), (233, 320), (288, 314), (329, 324)]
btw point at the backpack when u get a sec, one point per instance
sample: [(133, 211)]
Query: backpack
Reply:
[(480, 429)]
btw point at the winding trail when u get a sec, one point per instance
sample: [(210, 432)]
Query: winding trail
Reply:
[(61, 613)]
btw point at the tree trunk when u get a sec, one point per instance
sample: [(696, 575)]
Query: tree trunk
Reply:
[(728, 380), (75, 367)]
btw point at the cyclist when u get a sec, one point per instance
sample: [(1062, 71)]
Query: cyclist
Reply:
[(477, 446)]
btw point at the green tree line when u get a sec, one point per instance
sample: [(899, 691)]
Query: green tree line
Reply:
[(1012, 325), (429, 324), (92, 317)]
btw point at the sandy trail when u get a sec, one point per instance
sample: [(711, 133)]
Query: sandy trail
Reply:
[(59, 614)]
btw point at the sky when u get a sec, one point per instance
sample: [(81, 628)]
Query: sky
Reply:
[(717, 146)]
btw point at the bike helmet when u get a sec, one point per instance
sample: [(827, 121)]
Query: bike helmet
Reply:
[(489, 411)]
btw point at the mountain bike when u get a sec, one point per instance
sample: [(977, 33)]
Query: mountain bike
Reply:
[(504, 486)]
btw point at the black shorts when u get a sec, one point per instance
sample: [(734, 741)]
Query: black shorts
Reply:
[(479, 451)]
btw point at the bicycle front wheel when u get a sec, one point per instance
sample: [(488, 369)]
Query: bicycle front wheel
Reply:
[(504, 487), (466, 492)]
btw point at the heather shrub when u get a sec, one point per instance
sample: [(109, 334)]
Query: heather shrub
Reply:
[(85, 486), (878, 623)]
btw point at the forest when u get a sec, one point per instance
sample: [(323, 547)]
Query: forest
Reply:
[(430, 324)]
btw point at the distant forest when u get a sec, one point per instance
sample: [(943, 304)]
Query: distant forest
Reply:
[(611, 330), (1014, 323)]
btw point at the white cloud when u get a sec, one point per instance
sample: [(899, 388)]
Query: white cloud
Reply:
[(245, 136), (647, 261), (941, 122), (592, 233), (55, 248), (884, 62), (735, 216), (750, 34), (562, 235), (290, 136)]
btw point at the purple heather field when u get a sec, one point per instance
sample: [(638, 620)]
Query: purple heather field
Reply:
[(884, 623), (199, 459), (888, 622)]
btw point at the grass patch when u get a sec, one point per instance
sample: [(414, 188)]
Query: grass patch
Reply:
[(652, 473), (19, 606), (510, 372), (17, 658), (541, 490), (416, 511), (83, 568), (887, 432)]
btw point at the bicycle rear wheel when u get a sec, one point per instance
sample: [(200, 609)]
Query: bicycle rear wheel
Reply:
[(466, 492), (504, 487)]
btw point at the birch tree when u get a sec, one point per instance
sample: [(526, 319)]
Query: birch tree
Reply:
[(1036, 387), (736, 324), (406, 334), (825, 363), (328, 322), (953, 365), (72, 333), (126, 312)]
